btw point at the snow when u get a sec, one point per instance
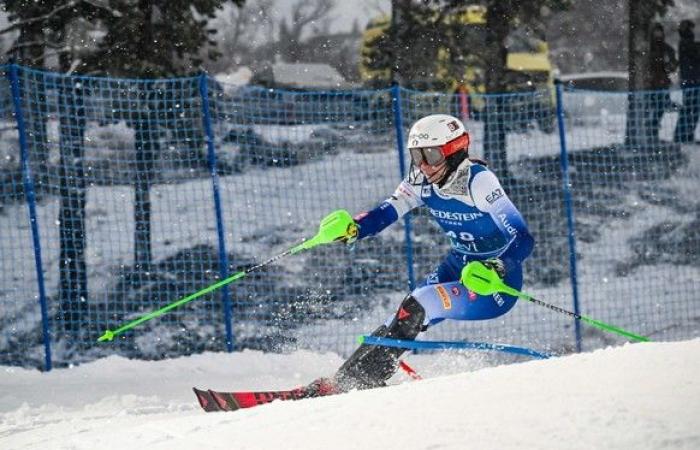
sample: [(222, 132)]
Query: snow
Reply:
[(235, 78), (641, 396)]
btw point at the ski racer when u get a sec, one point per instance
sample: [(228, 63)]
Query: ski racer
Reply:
[(467, 201)]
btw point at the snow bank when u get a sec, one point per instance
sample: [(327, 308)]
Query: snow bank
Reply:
[(641, 396)]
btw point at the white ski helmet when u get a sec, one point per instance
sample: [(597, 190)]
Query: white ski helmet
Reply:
[(437, 130)]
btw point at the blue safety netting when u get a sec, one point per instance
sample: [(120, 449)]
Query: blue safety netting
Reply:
[(120, 196)]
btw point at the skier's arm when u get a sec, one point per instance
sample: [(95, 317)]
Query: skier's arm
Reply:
[(489, 196), (389, 211)]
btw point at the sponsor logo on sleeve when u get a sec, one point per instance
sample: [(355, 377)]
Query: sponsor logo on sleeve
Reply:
[(495, 195), (444, 297), (506, 224)]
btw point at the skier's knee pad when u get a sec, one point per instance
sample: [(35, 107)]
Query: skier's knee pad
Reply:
[(408, 321)]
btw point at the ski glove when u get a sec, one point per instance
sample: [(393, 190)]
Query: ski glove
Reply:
[(351, 235), (496, 264)]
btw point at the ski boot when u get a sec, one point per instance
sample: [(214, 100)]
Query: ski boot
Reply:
[(371, 365)]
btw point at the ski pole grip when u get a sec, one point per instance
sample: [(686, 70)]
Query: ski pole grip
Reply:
[(336, 226), (485, 281)]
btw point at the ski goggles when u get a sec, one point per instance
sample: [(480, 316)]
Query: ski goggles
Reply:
[(437, 154)]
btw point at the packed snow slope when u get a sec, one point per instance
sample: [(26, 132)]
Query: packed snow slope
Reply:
[(638, 396)]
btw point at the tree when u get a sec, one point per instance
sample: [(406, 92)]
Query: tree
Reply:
[(243, 29), (156, 38), (53, 30), (46, 32), (569, 36), (151, 39), (304, 13), (407, 53), (28, 49), (41, 27), (640, 14), (411, 51), (501, 18)]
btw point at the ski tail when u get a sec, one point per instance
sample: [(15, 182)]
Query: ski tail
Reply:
[(206, 400), (227, 401)]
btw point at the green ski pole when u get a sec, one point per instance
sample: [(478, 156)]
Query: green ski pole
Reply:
[(336, 225), (485, 281)]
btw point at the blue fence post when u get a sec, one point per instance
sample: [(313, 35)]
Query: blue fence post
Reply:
[(31, 203), (223, 259), (398, 124), (566, 185)]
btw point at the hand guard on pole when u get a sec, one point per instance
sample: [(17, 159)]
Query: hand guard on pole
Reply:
[(494, 265), (340, 226)]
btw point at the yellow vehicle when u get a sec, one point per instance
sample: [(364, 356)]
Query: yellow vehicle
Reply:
[(529, 70)]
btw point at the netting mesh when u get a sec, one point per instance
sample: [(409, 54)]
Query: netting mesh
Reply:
[(125, 201), (636, 215), (288, 159)]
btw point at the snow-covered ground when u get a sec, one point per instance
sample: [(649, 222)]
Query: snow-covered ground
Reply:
[(639, 396)]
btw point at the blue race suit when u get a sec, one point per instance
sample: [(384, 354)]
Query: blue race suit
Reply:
[(481, 222)]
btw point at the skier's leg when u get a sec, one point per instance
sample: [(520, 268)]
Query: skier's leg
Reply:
[(371, 365)]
